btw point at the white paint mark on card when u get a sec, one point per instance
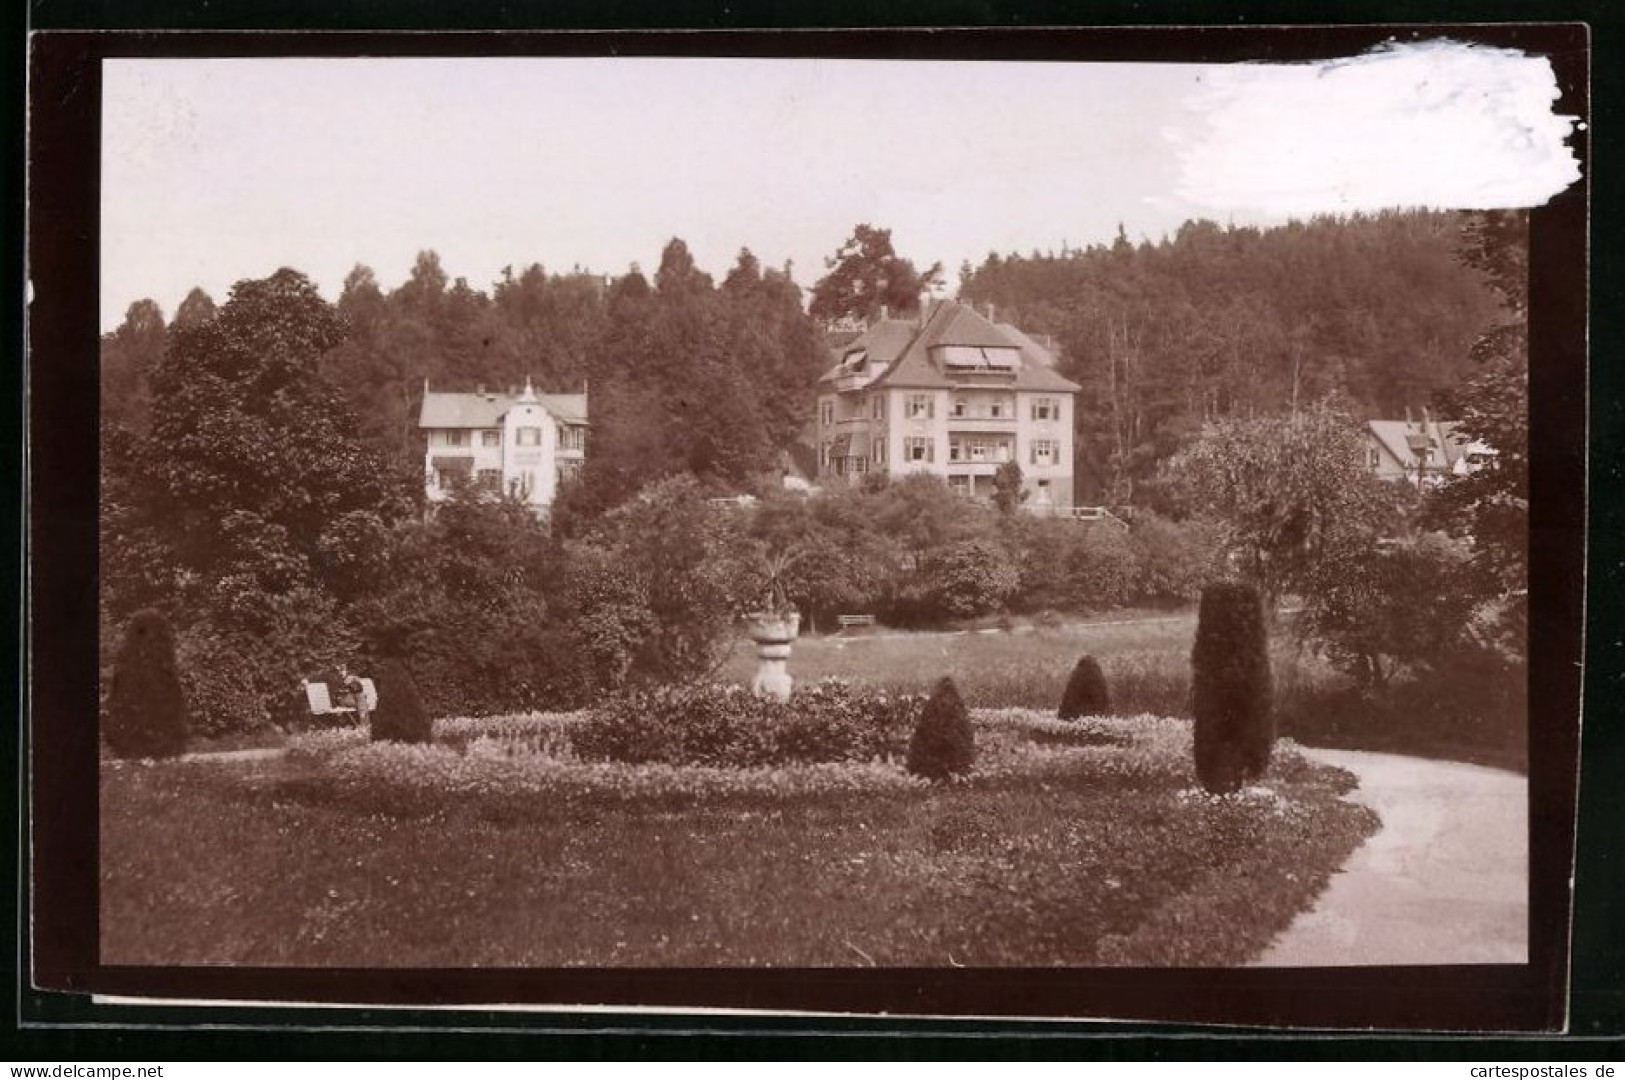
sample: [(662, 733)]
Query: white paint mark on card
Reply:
[(1437, 124)]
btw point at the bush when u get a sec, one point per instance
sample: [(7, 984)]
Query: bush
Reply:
[(1231, 690), (146, 708), (1100, 568), (944, 743), (971, 578), (1086, 693), (719, 725), (663, 579), (1378, 613), (399, 715), (1172, 558), (1071, 566)]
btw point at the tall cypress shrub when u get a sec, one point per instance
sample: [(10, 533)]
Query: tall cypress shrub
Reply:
[(146, 707), (1086, 693), (944, 743), (399, 715), (1231, 690)]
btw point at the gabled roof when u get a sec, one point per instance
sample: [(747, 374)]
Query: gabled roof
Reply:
[(1401, 438), (872, 351), (569, 408), (442, 410), (455, 410), (910, 354)]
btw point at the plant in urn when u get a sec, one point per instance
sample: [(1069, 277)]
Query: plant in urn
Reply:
[(773, 627)]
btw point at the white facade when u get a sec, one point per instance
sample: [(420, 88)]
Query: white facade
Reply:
[(903, 400), (522, 446)]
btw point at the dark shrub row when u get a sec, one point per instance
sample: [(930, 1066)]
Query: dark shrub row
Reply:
[(708, 724)]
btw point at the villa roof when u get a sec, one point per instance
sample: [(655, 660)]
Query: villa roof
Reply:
[(909, 353), (457, 410), (1403, 438)]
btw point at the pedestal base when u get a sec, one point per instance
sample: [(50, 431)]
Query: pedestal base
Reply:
[(773, 678), (773, 638)]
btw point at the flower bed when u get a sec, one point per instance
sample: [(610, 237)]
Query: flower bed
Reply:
[(1097, 851), (542, 754)]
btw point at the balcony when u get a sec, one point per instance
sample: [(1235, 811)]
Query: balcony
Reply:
[(983, 425), (845, 383)]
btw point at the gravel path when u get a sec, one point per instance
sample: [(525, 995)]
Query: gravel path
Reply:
[(1445, 880)]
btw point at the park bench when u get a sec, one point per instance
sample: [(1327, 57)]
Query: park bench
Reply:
[(849, 621), (320, 699)]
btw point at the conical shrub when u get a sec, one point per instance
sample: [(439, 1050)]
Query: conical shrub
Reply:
[(1086, 693), (944, 744), (1230, 688), (146, 707), (399, 715)]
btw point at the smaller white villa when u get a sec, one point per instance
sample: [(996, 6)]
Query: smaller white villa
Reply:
[(520, 444)]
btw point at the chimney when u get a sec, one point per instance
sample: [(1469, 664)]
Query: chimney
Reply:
[(885, 312), (992, 312)]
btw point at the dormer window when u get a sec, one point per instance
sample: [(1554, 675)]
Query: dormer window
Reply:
[(978, 357)]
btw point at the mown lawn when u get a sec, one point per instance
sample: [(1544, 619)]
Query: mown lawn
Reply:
[(1095, 855), (1146, 657)]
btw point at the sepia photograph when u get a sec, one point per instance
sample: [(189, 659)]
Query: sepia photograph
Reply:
[(732, 514)]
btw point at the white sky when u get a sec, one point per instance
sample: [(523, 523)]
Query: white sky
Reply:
[(217, 170)]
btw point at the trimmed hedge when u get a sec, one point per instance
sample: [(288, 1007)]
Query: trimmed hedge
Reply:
[(1086, 693), (944, 744), (146, 708), (399, 715), (1231, 688), (710, 724)]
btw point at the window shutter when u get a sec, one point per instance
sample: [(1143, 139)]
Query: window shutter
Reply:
[(931, 450), (1033, 451), (931, 408)]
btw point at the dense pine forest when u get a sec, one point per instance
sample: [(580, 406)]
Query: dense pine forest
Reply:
[(689, 375), (1216, 322)]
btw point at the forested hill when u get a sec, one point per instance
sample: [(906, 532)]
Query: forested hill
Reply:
[(688, 374), (685, 374), (1240, 321)]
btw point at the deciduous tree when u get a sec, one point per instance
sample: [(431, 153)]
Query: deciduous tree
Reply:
[(866, 274)]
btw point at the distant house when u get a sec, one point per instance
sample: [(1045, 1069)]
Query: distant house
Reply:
[(1420, 452), (952, 393), (520, 444)]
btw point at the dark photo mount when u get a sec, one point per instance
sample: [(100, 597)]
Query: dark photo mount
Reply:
[(61, 961)]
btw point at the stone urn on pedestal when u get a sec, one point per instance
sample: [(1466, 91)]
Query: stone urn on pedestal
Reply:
[(773, 627), (773, 632)]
